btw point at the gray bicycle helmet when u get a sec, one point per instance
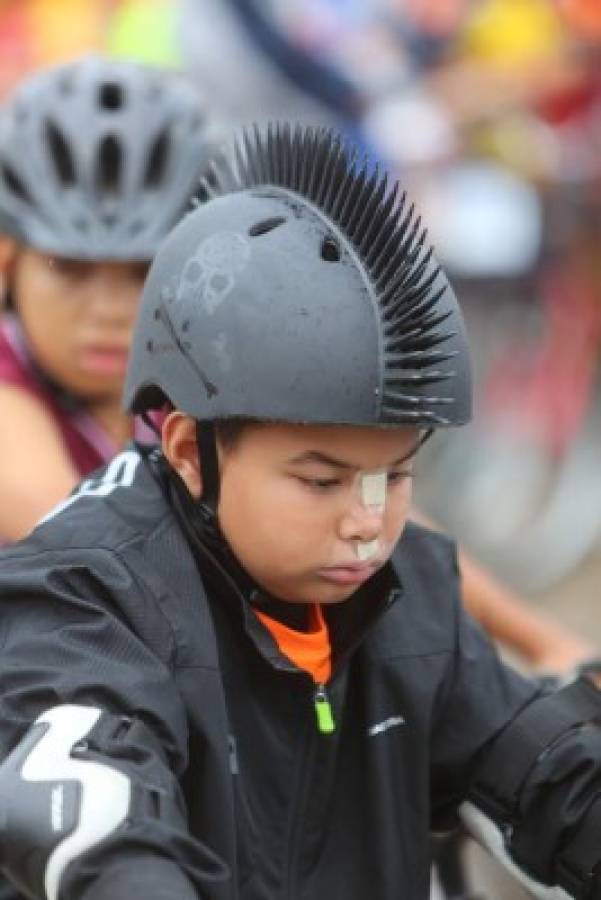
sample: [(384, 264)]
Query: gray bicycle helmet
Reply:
[(98, 158), (302, 291)]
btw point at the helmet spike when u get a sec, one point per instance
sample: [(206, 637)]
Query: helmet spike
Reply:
[(338, 173), (349, 208), (365, 204), (372, 221), (309, 202)]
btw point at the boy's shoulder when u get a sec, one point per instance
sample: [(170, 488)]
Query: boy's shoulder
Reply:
[(423, 620), (115, 546), (431, 553), (119, 504)]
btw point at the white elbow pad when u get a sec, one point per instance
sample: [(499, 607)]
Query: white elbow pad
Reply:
[(55, 806)]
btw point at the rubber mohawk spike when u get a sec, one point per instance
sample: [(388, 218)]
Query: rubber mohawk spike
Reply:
[(387, 237)]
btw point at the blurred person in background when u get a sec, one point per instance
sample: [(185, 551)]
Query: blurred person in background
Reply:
[(98, 160)]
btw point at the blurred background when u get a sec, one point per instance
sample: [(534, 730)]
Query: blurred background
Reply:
[(490, 114)]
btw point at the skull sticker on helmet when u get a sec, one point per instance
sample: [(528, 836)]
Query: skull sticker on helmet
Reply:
[(211, 272)]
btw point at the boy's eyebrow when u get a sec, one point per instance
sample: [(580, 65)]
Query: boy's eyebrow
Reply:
[(316, 456), (312, 456)]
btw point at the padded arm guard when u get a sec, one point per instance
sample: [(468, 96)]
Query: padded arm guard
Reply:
[(536, 800), (57, 801), (55, 806)]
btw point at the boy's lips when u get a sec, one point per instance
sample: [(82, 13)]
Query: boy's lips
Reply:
[(351, 573), (101, 360)]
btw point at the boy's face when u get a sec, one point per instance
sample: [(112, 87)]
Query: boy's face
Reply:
[(293, 505), (78, 318)]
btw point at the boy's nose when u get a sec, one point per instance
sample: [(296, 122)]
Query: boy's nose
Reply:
[(361, 524), (115, 307)]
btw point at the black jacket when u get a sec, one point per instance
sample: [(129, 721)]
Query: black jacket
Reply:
[(103, 605)]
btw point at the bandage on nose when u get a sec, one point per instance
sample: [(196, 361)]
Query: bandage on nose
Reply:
[(373, 491), (373, 497)]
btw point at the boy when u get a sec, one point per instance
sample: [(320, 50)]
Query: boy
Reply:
[(246, 677), (98, 159)]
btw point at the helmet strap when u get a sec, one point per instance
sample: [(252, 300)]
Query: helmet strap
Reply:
[(206, 440), (150, 423), (427, 434)]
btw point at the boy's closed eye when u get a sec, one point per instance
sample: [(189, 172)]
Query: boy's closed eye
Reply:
[(69, 268), (80, 270), (319, 483), (324, 483)]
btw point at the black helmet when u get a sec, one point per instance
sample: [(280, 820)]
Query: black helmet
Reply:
[(302, 291), (98, 158)]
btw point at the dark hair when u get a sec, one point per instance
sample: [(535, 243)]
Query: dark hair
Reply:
[(229, 431)]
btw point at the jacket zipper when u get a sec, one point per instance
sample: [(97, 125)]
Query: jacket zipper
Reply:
[(323, 710), (325, 725), (297, 810), (324, 715)]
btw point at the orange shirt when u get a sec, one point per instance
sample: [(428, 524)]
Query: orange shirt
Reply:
[(309, 650)]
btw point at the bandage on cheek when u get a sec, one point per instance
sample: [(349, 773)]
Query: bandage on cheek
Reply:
[(373, 497)]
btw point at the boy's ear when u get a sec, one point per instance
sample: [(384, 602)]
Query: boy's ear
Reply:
[(178, 440)]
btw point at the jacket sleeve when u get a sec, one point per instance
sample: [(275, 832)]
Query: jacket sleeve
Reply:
[(67, 645), (478, 696), (521, 762), (535, 798)]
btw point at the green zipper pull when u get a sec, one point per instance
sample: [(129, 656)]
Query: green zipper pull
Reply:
[(323, 711)]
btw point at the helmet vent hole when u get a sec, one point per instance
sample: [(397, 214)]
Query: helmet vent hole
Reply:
[(15, 185), (108, 175), (110, 96), (265, 226), (330, 251), (157, 160), (60, 154)]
